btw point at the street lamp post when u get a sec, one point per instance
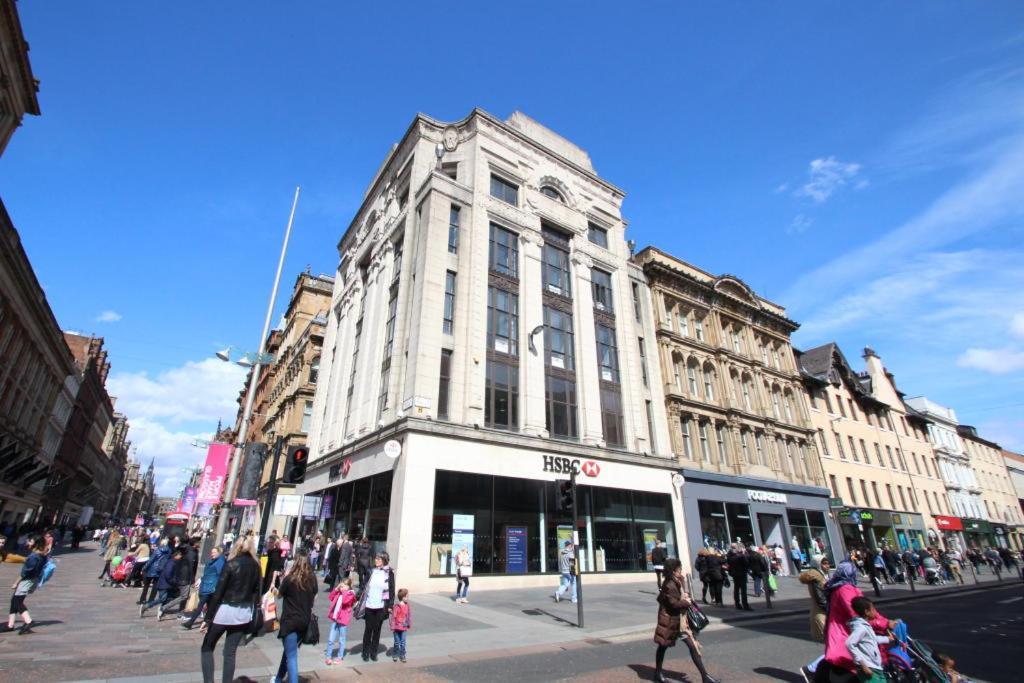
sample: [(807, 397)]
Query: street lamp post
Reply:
[(222, 519)]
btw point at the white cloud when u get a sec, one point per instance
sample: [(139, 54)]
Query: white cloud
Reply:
[(108, 317), (997, 361), (197, 391), (1017, 325), (826, 176), (781, 188), (800, 223)]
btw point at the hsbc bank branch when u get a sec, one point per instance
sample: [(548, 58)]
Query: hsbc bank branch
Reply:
[(498, 496)]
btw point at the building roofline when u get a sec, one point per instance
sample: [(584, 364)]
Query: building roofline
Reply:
[(21, 57)]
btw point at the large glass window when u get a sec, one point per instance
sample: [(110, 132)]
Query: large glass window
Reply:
[(502, 321), (556, 270), (504, 251), (561, 407), (611, 417), (724, 523), (602, 285), (501, 399), (808, 526), (607, 354), (504, 190), (558, 338), (471, 496)]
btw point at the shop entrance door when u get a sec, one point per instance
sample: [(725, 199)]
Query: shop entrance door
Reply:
[(771, 529)]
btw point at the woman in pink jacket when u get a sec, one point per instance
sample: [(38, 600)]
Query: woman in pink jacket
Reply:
[(840, 591)]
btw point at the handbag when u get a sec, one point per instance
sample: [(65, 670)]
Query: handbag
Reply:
[(725, 581), (696, 618), (312, 634), (193, 601), (256, 625), (359, 611), (269, 606)]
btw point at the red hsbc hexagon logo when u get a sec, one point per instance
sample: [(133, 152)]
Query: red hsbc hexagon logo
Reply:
[(346, 466), (590, 468)]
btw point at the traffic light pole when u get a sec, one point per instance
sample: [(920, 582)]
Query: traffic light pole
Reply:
[(576, 551), (271, 490)]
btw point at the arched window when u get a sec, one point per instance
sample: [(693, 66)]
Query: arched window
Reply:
[(314, 370), (709, 382), (677, 370), (684, 323), (549, 191), (691, 377)]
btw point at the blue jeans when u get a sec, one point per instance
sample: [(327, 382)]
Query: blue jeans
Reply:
[(163, 597), (400, 640), (567, 581), (289, 659), (338, 634), (757, 586)]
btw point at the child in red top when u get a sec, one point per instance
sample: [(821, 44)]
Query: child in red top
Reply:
[(401, 622), (340, 613)]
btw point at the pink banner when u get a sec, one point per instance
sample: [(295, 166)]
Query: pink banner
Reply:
[(214, 473)]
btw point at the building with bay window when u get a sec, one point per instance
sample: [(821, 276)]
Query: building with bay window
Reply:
[(488, 335), (738, 422)]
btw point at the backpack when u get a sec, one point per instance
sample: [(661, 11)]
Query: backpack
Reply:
[(48, 569)]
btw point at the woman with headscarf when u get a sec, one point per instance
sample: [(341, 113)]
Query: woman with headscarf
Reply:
[(838, 666)]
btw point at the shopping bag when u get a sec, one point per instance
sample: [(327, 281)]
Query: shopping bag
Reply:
[(192, 604), (773, 584), (269, 606)]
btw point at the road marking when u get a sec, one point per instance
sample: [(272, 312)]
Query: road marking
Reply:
[(1004, 602)]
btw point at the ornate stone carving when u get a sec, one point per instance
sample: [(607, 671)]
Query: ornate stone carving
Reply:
[(581, 259), (531, 237)]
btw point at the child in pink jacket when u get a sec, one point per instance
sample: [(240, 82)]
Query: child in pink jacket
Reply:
[(340, 613), (401, 622)]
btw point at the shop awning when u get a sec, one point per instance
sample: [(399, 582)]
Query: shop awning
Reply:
[(947, 523)]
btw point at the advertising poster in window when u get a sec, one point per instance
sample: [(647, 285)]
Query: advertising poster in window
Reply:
[(563, 533), (515, 549), (311, 507), (650, 538), (462, 534)]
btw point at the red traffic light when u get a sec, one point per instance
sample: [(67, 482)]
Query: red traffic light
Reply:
[(300, 454)]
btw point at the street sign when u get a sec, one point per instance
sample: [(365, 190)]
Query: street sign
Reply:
[(835, 503)]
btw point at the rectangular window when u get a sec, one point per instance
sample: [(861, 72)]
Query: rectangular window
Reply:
[(602, 285), (307, 417), (892, 460), (637, 311), (650, 426), (560, 395), (597, 235), (684, 323), (758, 449), (684, 426), (853, 408), (853, 491), (504, 251), (892, 501), (878, 455), (453, 230), (737, 345), (556, 270), (853, 449), (450, 169), (698, 327), (864, 490), (449, 303), (720, 440), (502, 321), (705, 447), (903, 499), (607, 354), (828, 402), (643, 361), (743, 446), (824, 444), (839, 402), (839, 446), (389, 344), (444, 384), (835, 486), (504, 190), (558, 339), (501, 396), (611, 417), (864, 450)]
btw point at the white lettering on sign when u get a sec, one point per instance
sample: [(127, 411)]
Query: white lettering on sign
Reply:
[(766, 496)]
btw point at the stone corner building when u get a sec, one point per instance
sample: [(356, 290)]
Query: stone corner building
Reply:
[(737, 418), (18, 86), (487, 319)]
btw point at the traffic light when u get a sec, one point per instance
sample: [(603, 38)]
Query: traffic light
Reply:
[(295, 465), (565, 488)]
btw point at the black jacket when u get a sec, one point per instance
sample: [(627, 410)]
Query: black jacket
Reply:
[(738, 565), (239, 584), (346, 556), (658, 556), (713, 568), (296, 608), (757, 563), (363, 554)]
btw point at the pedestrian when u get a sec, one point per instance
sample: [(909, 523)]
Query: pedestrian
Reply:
[(285, 544), (377, 598), (658, 557), (157, 561), (780, 560), (176, 574), (342, 599), (948, 666), (714, 565), (329, 550), (567, 576), (463, 572), (275, 563), (700, 565), (207, 584), (346, 556), (231, 607), (953, 561), (401, 623), (298, 591), (28, 580), (363, 555), (863, 642), (142, 554), (738, 567), (759, 570), (815, 579), (673, 602), (113, 550), (840, 591)]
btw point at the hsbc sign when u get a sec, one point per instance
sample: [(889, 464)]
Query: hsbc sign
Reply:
[(560, 465)]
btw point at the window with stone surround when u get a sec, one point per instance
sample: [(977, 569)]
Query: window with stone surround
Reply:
[(504, 190)]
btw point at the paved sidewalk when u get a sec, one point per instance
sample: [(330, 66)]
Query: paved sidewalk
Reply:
[(86, 632)]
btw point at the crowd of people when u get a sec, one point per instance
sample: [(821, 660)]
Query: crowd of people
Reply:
[(931, 564), (738, 567)]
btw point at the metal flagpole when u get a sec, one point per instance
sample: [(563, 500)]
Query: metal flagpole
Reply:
[(229, 490)]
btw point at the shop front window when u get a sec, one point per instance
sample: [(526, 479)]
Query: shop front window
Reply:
[(724, 523), (807, 528)]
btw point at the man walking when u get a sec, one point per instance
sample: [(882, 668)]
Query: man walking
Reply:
[(738, 568), (658, 557), (567, 580)]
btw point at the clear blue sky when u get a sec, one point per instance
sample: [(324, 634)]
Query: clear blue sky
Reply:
[(860, 163)]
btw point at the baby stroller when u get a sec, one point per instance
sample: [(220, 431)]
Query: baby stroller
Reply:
[(122, 573), (912, 661)]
